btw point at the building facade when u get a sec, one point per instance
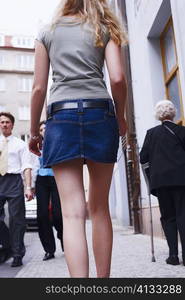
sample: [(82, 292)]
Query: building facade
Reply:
[(16, 78), (157, 59)]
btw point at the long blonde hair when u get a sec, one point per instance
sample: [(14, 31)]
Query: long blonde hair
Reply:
[(95, 12)]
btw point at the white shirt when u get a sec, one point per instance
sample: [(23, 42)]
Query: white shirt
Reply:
[(19, 157)]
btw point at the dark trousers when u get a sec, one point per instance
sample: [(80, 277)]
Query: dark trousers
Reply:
[(12, 191), (46, 191), (4, 236), (172, 208)]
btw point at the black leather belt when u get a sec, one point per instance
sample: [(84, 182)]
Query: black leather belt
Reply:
[(54, 107)]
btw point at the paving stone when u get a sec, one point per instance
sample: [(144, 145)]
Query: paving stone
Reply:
[(131, 257)]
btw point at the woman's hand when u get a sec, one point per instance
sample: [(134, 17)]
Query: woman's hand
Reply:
[(35, 144), (122, 126)]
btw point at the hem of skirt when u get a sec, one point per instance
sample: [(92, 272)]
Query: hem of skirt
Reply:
[(78, 156)]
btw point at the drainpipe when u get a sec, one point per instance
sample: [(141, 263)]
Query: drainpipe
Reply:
[(132, 153)]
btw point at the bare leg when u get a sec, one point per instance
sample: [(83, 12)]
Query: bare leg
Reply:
[(100, 176), (69, 179)]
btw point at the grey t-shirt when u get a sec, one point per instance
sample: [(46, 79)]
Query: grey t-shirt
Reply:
[(76, 63)]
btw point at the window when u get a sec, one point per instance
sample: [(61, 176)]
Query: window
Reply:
[(25, 137), (24, 113), (25, 61), (1, 40), (23, 42), (2, 84), (25, 84), (171, 69)]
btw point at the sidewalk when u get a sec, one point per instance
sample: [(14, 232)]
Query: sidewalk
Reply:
[(131, 258)]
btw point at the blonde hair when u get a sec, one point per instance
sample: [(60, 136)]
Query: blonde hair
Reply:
[(97, 13), (165, 109)]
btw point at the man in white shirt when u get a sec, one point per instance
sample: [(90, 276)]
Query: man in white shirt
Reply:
[(15, 163)]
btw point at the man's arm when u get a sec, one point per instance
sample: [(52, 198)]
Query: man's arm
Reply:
[(26, 168), (28, 188), (34, 171)]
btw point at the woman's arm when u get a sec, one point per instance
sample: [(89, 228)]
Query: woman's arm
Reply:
[(117, 81), (41, 73)]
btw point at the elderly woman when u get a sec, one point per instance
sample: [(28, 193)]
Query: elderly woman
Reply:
[(164, 150)]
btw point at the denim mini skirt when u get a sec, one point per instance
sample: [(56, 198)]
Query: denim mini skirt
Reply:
[(88, 133)]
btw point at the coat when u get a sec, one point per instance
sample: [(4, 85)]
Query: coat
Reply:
[(165, 155)]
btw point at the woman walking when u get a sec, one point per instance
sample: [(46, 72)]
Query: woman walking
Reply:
[(83, 123)]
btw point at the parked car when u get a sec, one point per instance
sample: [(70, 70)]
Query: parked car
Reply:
[(31, 214)]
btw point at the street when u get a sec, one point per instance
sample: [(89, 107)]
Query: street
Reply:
[(131, 258)]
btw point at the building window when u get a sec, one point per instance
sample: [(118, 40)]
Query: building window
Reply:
[(25, 84), (23, 42), (2, 108), (25, 137), (25, 61), (1, 40), (24, 113), (171, 69), (2, 84)]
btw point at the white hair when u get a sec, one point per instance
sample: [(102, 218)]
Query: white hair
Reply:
[(165, 109)]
